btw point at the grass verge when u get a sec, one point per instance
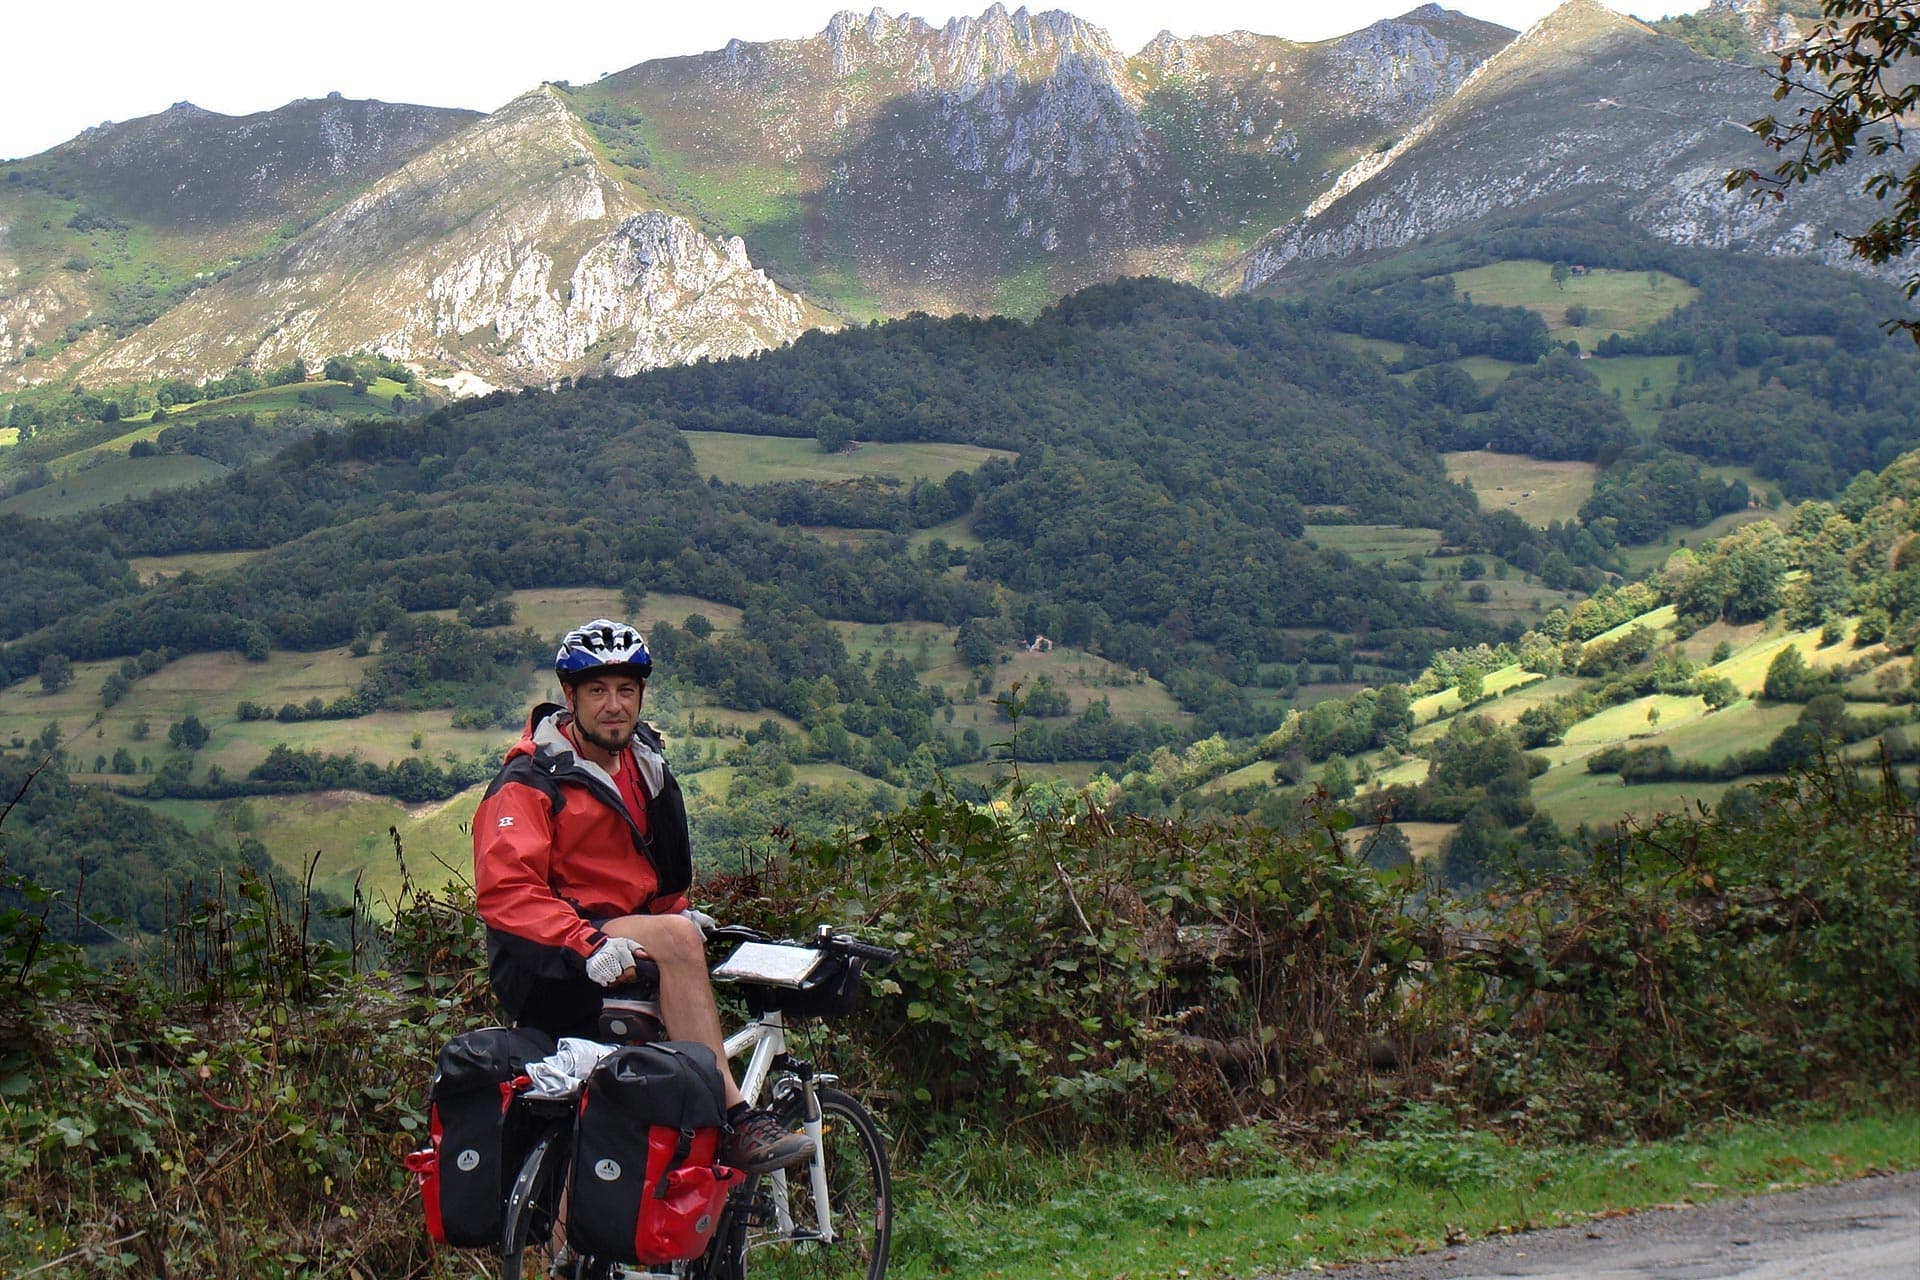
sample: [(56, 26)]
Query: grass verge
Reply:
[(987, 1210)]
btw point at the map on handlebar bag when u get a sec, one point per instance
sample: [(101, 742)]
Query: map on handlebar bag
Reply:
[(769, 963)]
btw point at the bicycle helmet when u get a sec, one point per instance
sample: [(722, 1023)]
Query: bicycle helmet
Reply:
[(602, 647)]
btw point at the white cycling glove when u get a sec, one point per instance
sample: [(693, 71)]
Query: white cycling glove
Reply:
[(706, 922), (611, 959)]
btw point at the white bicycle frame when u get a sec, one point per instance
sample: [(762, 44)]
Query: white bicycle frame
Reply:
[(763, 1040)]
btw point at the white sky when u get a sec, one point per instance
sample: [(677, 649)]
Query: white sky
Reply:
[(68, 69)]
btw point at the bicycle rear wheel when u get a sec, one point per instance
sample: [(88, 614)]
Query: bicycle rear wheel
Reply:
[(533, 1207), (859, 1199)]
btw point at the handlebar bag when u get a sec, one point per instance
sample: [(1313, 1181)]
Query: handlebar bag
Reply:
[(478, 1139), (647, 1185)]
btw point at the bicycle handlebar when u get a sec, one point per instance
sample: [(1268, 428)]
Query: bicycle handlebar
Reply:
[(825, 938)]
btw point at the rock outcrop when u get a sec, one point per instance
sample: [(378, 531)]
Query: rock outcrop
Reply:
[(1588, 110), (506, 251)]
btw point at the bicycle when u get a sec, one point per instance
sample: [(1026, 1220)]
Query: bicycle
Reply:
[(831, 1216)]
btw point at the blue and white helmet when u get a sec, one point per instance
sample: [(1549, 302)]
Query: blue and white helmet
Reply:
[(602, 647)]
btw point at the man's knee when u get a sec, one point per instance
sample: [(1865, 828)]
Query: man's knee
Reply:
[(673, 940)]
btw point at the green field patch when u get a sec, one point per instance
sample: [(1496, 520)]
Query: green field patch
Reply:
[(1575, 797), (988, 772), (1488, 372), (1747, 667), (380, 737), (9, 436), (1653, 620), (1639, 718), (1435, 706), (1616, 301), (1508, 708), (1257, 774), (1373, 541), (1535, 490), (1645, 559), (736, 458), (152, 569), (1426, 837), (957, 532), (553, 611), (336, 397), (1384, 350), (840, 536), (1410, 772), (109, 481), (1742, 726), (1642, 383)]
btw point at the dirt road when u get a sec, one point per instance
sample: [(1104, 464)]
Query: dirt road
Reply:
[(1868, 1229)]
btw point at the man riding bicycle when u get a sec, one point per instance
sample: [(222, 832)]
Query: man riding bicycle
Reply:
[(582, 864)]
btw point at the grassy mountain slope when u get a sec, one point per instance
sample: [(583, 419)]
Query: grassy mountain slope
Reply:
[(1588, 112), (102, 233)]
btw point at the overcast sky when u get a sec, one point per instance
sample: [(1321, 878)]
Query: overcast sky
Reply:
[(69, 68)]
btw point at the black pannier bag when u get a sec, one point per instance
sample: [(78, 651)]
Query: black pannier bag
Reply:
[(478, 1136), (646, 1185)]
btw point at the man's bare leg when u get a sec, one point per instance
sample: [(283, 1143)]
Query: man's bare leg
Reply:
[(676, 944)]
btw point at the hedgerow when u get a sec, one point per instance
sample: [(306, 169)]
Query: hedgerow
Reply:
[(237, 1101)]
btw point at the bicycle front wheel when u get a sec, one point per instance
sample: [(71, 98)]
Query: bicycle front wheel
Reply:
[(846, 1238), (533, 1208)]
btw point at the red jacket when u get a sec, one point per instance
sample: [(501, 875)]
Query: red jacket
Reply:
[(555, 851)]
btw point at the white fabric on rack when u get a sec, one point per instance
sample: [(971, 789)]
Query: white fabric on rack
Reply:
[(562, 1073)]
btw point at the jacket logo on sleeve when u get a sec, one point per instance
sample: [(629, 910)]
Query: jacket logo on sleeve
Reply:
[(506, 820)]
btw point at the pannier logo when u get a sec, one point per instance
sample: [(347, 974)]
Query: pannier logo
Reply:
[(467, 1161), (607, 1171)]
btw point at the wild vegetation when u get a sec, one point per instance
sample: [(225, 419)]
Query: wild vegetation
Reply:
[(1249, 996)]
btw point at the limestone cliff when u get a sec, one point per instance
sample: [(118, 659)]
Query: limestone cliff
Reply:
[(1589, 111), (506, 251)]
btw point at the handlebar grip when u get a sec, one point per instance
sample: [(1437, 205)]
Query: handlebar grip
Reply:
[(862, 950)]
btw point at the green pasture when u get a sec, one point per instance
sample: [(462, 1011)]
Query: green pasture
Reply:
[(1645, 559), (552, 611), (1740, 727), (957, 532), (1575, 797), (152, 569), (1616, 301), (9, 436), (1488, 372), (737, 458), (1536, 491), (928, 645), (1638, 718), (1257, 774), (1385, 351), (1747, 668), (1373, 541), (381, 737), (1642, 383), (1660, 619), (377, 402), (840, 536), (109, 481), (1437, 706)]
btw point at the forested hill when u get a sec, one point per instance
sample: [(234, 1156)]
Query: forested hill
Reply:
[(1168, 442)]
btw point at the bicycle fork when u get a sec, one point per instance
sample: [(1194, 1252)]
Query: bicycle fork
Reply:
[(814, 1127)]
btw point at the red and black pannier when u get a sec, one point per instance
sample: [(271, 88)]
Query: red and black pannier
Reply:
[(478, 1136), (647, 1185)]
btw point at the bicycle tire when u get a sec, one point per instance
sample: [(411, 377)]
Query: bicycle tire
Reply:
[(860, 1190), (533, 1205)]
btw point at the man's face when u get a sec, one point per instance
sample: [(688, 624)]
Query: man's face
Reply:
[(606, 709)]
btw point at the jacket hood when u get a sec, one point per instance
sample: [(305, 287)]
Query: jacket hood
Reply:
[(546, 740)]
